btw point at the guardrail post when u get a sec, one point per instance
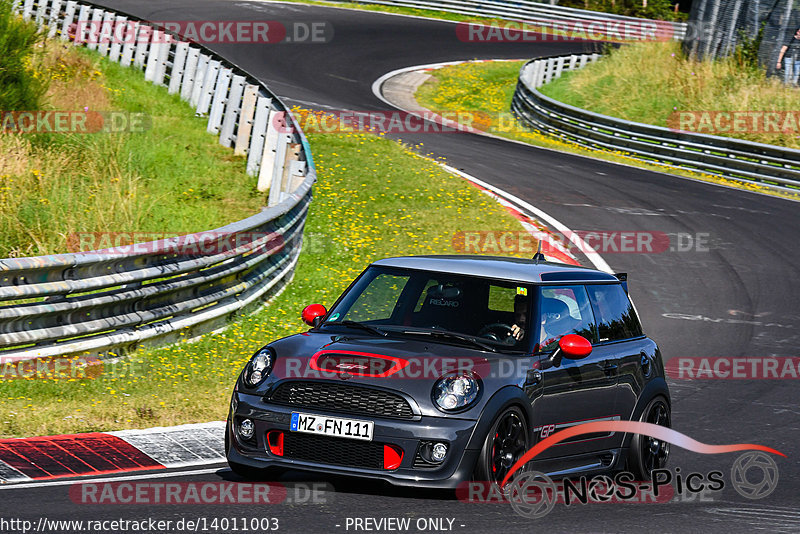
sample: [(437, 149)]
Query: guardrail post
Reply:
[(119, 35), (199, 79), (27, 9), (130, 44), (246, 120), (584, 61), (41, 7), (232, 109), (156, 43), (551, 69), (143, 38), (94, 29), (105, 33), (52, 19), (279, 167), (276, 124), (297, 173), (189, 73), (573, 60), (258, 135), (559, 68), (82, 25), (289, 167), (219, 100), (163, 57), (207, 88), (69, 16), (178, 66)]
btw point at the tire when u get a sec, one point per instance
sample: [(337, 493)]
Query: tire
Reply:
[(506, 442), (646, 453)]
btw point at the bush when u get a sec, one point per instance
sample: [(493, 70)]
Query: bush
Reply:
[(21, 87)]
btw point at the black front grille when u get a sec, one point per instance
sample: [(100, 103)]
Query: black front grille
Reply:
[(334, 451), (342, 398)]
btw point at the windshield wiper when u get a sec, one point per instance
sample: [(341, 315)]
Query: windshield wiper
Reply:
[(356, 324), (446, 334)]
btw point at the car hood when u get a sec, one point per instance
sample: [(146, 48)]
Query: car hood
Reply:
[(405, 364)]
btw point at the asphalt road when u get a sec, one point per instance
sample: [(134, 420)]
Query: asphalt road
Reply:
[(733, 296)]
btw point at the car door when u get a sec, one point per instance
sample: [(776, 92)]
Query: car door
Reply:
[(576, 391), (622, 344)]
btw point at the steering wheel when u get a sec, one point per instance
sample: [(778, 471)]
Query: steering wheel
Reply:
[(498, 332)]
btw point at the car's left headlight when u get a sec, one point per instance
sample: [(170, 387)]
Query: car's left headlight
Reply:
[(456, 391), (258, 368)]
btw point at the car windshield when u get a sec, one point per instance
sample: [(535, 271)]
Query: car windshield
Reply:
[(494, 313)]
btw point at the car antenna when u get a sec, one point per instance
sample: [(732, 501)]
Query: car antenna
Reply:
[(539, 256)]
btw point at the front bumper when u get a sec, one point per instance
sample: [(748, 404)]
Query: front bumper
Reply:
[(457, 467)]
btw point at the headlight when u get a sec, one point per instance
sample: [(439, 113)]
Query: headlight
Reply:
[(454, 392), (258, 368)]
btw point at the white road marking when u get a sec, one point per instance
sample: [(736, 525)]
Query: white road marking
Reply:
[(590, 253)]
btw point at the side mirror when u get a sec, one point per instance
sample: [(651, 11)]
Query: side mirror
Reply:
[(312, 314), (572, 347)]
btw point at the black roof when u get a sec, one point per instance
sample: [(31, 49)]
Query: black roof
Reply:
[(500, 267)]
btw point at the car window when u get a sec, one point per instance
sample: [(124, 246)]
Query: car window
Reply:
[(616, 318), (501, 298), (377, 301), (564, 310), (496, 311)]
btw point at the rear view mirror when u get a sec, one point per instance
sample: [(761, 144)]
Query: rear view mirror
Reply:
[(572, 347), (312, 314), (575, 347)]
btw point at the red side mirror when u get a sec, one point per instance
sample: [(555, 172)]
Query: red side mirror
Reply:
[(574, 346), (311, 312)]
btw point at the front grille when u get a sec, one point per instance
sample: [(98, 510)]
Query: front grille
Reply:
[(333, 451), (342, 398)]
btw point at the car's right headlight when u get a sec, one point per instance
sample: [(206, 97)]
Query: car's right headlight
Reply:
[(456, 391), (258, 368)]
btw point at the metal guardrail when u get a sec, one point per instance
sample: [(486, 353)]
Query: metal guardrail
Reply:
[(735, 159), (521, 10), (110, 302)]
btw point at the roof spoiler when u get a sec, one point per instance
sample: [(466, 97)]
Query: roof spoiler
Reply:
[(623, 277)]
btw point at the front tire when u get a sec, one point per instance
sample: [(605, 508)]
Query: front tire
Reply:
[(506, 442), (646, 453)]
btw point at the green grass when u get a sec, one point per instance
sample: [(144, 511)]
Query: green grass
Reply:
[(20, 87), (171, 178), (651, 82), (374, 199), (486, 89)]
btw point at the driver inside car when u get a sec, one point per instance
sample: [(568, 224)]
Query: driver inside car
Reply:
[(509, 334), (520, 316)]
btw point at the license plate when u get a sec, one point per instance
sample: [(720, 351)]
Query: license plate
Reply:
[(331, 426)]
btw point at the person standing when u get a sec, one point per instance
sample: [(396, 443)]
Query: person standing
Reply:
[(791, 68)]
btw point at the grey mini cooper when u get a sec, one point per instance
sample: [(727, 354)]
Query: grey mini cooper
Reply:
[(431, 371)]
